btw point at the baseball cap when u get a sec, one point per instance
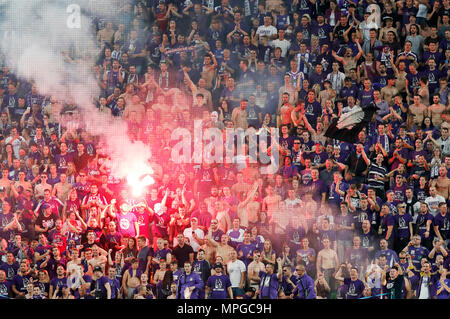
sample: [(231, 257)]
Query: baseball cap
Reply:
[(98, 268), (45, 206), (218, 265)]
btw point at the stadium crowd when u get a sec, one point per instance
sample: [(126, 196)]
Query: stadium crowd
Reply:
[(338, 220)]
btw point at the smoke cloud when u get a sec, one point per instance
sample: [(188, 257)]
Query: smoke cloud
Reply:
[(37, 34)]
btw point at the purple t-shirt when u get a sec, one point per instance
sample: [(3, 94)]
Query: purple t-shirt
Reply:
[(269, 285), (402, 225), (421, 224), (400, 192), (10, 270), (59, 282), (355, 288), (365, 97), (219, 286), (443, 223), (21, 282), (318, 158), (246, 250)]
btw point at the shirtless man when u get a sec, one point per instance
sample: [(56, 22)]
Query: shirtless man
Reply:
[(253, 209), (242, 210), (221, 214), (160, 104), (21, 182), (271, 201), (442, 182), (435, 110), (62, 189), (159, 273), (98, 258), (210, 249), (327, 261), (286, 110), (240, 187), (128, 95), (222, 249), (418, 111), (389, 91), (131, 279), (5, 182), (40, 188), (254, 268)]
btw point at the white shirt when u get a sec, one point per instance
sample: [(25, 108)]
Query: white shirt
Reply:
[(283, 44), (424, 291), (235, 269), (268, 31), (188, 233), (434, 201)]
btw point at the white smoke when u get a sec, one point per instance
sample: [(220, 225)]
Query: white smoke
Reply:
[(35, 35)]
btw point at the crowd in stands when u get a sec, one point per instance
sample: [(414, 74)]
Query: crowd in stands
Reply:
[(367, 220)]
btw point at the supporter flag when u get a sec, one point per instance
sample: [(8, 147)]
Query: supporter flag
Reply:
[(348, 125)]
